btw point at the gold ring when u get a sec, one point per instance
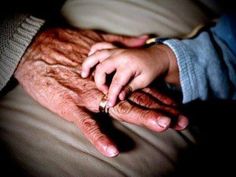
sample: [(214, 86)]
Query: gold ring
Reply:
[(151, 40), (103, 105)]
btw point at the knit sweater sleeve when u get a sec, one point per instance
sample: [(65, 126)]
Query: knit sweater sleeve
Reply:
[(16, 33), (207, 63)]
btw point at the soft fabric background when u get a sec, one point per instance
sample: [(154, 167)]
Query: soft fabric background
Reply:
[(43, 144)]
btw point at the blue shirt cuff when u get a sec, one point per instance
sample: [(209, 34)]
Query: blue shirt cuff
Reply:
[(188, 80)]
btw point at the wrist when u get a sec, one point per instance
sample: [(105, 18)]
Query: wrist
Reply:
[(172, 73), (170, 68), (167, 63)]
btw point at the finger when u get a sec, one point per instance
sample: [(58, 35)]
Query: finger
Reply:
[(100, 46), (120, 79), (160, 96), (137, 83), (104, 68), (91, 130), (125, 92), (125, 40), (181, 123), (92, 60), (122, 95), (90, 98), (87, 125), (124, 111), (147, 101)]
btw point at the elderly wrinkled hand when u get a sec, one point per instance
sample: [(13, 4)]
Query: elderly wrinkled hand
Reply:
[(50, 72)]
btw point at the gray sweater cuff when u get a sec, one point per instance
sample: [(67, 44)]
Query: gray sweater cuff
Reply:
[(16, 34), (188, 80)]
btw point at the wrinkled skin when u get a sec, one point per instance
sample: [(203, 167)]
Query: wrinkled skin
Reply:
[(50, 73)]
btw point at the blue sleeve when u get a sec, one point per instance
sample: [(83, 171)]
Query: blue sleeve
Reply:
[(207, 63)]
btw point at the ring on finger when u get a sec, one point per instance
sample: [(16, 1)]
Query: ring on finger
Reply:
[(103, 108)]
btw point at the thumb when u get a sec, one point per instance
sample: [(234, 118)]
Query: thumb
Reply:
[(127, 41)]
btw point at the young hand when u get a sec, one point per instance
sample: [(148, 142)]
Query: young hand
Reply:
[(134, 68)]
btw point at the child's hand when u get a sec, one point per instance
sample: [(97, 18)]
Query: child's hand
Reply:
[(134, 68)]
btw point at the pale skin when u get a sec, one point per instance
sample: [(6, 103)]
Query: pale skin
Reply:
[(50, 72), (134, 68)]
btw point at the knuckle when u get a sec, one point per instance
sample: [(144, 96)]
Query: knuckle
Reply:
[(142, 99), (122, 107), (88, 124), (98, 137), (95, 134), (139, 98), (145, 115)]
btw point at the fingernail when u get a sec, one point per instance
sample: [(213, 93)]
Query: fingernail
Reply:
[(163, 122), (183, 124), (83, 74), (112, 151)]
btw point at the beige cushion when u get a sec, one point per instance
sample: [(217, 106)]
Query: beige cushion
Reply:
[(46, 145)]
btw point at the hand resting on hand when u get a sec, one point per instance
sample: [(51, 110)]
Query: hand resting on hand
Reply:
[(50, 72)]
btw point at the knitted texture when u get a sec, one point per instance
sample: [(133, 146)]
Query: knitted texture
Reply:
[(16, 34), (187, 71)]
